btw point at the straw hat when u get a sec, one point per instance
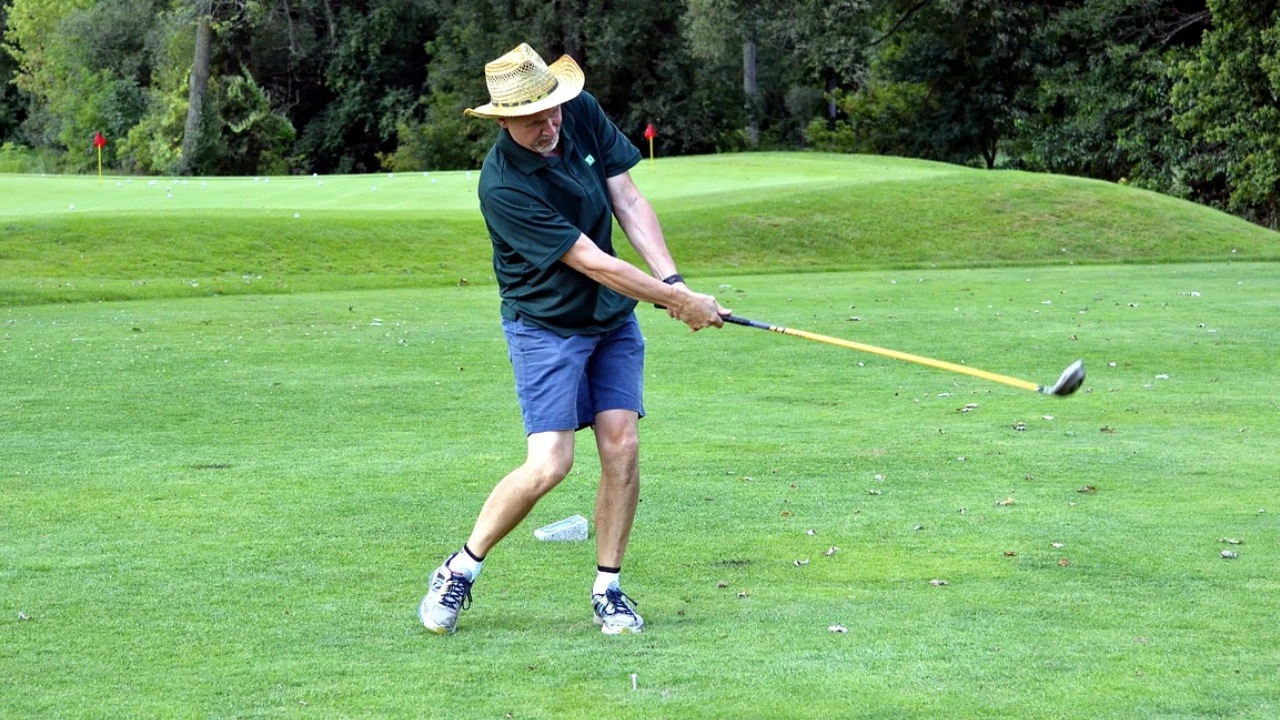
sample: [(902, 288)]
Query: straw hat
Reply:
[(520, 83)]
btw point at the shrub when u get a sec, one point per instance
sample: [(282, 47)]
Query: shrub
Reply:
[(15, 158)]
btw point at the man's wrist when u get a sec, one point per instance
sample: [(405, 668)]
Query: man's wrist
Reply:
[(671, 279)]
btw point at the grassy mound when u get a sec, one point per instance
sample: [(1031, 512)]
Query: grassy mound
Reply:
[(74, 239)]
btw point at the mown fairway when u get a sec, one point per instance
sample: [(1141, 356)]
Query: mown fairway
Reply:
[(221, 495)]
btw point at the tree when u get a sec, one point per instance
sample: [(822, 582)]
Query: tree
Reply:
[(12, 104), (31, 38), (1226, 99), (199, 87), (639, 66), (205, 14), (944, 81), (1100, 105), (829, 41), (374, 80), (86, 67), (632, 52), (712, 27)]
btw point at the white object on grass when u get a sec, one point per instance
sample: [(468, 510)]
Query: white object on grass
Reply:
[(573, 527)]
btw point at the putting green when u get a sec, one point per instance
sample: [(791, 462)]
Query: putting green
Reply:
[(28, 195)]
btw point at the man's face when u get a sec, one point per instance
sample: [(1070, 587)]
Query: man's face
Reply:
[(539, 133)]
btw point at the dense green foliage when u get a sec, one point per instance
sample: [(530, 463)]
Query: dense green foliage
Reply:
[(1227, 102), (11, 109), (1171, 95)]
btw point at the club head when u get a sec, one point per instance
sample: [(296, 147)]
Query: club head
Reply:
[(1070, 380)]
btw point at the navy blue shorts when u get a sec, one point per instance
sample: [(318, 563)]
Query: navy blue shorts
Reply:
[(563, 382)]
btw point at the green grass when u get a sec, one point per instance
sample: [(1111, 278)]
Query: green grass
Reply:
[(227, 506), (765, 213)]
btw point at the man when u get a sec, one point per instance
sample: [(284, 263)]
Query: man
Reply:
[(549, 191)]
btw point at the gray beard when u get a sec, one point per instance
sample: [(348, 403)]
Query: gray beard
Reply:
[(549, 147)]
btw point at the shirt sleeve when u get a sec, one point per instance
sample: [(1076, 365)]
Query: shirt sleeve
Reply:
[(618, 152), (528, 226)]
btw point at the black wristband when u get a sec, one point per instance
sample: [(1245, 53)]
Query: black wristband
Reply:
[(671, 279)]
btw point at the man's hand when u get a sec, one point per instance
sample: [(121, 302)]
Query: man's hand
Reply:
[(696, 310)]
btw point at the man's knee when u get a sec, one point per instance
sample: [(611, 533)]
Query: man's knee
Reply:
[(549, 461), (546, 473), (620, 446), (618, 436)]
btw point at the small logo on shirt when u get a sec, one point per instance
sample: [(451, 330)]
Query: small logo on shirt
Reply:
[(591, 160)]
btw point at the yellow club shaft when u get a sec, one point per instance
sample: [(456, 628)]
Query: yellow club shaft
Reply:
[(940, 364)]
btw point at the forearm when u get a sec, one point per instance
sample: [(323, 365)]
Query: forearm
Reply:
[(639, 222), (621, 276), (695, 310)]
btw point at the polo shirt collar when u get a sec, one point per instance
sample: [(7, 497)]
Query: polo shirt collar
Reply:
[(528, 161)]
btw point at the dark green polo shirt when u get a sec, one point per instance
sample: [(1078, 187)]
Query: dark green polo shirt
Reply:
[(535, 208)]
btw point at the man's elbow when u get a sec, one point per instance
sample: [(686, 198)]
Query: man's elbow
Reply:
[(586, 258)]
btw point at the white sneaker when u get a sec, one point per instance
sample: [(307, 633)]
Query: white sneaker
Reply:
[(614, 614), (450, 592)]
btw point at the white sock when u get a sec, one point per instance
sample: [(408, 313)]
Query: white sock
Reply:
[(463, 562), (603, 580)]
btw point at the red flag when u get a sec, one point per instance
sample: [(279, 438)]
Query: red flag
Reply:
[(650, 133), (99, 141)]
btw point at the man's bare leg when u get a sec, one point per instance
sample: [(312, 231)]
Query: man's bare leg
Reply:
[(617, 439), (549, 459), (550, 455)]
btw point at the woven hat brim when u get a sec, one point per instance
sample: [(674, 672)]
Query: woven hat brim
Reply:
[(569, 84)]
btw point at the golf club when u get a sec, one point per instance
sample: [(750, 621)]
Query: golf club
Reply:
[(1067, 383)]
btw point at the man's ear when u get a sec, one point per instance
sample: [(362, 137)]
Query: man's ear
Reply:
[(502, 123)]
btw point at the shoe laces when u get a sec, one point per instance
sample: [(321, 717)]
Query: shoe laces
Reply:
[(457, 592), (616, 603)]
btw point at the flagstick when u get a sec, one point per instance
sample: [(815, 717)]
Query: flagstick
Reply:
[(650, 154), (99, 164)]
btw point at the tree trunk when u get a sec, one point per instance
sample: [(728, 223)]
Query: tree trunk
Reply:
[(752, 92), (833, 111), (571, 31), (990, 148), (288, 23), (332, 22), (199, 87)]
